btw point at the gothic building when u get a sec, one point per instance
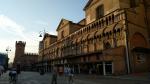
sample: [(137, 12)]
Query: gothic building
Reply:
[(113, 38), (22, 60)]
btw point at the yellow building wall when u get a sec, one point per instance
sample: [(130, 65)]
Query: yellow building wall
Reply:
[(109, 6)]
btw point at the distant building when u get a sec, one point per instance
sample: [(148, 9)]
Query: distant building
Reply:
[(4, 60), (25, 61), (114, 38)]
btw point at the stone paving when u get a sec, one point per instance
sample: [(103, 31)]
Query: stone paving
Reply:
[(36, 78), (4, 79)]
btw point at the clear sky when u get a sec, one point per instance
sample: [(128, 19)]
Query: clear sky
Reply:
[(24, 19)]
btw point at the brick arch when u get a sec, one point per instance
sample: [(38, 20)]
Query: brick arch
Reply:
[(138, 40)]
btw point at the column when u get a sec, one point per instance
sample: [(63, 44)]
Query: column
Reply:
[(104, 70), (79, 68)]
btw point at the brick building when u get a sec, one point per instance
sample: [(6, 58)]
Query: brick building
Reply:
[(22, 60), (113, 38)]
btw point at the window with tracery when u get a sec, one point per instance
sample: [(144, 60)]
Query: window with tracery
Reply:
[(107, 45)]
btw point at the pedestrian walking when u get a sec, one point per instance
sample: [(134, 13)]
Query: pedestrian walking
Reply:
[(18, 70), (54, 76), (65, 71), (13, 76), (70, 76), (1, 70), (41, 71)]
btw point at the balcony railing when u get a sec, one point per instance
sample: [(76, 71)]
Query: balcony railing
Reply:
[(103, 22)]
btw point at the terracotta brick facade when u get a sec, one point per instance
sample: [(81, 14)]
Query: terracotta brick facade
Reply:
[(115, 43), (22, 60)]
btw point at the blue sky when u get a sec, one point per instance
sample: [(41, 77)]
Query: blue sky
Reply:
[(24, 19)]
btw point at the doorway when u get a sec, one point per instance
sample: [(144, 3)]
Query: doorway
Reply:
[(105, 68), (100, 69), (108, 68)]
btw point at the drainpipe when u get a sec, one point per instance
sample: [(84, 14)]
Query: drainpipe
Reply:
[(146, 18), (127, 45)]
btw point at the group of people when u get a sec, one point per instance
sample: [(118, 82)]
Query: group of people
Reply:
[(68, 72), (12, 73)]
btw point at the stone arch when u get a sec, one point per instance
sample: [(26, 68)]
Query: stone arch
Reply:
[(138, 40), (107, 45), (86, 37), (74, 41), (117, 27), (103, 33), (95, 34)]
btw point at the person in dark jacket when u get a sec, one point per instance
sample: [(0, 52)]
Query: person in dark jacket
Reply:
[(54, 76), (13, 75)]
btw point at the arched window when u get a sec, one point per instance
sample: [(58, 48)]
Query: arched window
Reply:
[(107, 45), (107, 21), (138, 40)]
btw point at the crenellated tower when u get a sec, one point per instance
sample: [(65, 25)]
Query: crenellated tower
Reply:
[(20, 49)]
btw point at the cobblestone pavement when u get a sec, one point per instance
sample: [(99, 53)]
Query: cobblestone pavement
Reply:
[(36, 78), (4, 79)]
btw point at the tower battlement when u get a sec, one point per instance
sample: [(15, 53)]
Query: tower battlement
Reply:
[(31, 54), (23, 43)]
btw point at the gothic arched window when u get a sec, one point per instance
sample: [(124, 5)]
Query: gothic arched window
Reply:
[(107, 45)]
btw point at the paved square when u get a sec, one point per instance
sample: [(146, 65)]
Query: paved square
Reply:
[(36, 78)]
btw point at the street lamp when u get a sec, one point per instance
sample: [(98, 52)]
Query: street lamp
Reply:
[(42, 35), (7, 59), (8, 50)]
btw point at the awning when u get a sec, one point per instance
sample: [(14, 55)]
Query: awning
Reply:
[(141, 50)]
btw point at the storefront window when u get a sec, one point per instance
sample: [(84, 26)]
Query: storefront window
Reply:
[(140, 58)]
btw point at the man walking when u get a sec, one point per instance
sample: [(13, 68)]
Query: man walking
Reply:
[(70, 76), (54, 76)]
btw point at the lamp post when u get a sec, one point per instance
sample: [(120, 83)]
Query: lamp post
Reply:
[(7, 59), (8, 50), (42, 69)]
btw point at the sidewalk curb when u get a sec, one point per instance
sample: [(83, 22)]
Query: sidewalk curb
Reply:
[(146, 79), (129, 78)]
